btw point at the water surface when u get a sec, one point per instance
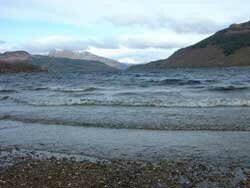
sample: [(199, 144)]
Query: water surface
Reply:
[(206, 99), (183, 113)]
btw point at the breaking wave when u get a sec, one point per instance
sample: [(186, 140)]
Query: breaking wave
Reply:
[(189, 103), (72, 90)]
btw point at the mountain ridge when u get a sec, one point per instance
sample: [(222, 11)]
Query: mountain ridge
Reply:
[(57, 64), (22, 61), (229, 47), (86, 56), (17, 61)]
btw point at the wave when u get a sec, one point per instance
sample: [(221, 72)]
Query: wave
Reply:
[(128, 94), (8, 91), (40, 88), (229, 88), (111, 122), (174, 81), (72, 90), (2, 98), (189, 103)]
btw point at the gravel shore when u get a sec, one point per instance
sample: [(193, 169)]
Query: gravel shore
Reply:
[(55, 173)]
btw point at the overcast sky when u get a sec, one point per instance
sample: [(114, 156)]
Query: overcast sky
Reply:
[(133, 31)]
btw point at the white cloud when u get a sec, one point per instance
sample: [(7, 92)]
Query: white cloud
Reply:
[(48, 43), (4, 46), (159, 39), (177, 25), (129, 61), (130, 55), (45, 44), (141, 12), (162, 39)]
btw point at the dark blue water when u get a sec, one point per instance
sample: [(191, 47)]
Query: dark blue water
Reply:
[(207, 99), (174, 88)]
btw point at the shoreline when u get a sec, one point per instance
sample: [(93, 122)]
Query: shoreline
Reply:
[(36, 169), (126, 144)]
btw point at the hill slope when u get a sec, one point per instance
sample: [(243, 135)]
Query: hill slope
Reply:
[(226, 48), (53, 64), (87, 56), (21, 61), (18, 61)]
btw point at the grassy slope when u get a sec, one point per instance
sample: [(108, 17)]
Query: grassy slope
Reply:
[(229, 47)]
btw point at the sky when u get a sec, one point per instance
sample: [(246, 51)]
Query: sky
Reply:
[(131, 31)]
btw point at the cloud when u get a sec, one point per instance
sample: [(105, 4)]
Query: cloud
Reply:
[(159, 39), (162, 39), (46, 44), (128, 60), (195, 26), (5, 46), (134, 56), (200, 26), (159, 13)]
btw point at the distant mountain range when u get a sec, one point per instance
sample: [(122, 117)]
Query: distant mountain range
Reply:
[(21, 61), (226, 48), (56, 64), (87, 56)]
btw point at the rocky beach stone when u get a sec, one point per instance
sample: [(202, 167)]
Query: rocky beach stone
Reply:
[(117, 174)]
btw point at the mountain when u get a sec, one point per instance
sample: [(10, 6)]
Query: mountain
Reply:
[(21, 61), (226, 48), (88, 57), (15, 57), (55, 64), (18, 61)]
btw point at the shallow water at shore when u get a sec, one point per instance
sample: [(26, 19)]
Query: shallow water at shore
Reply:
[(106, 144), (148, 118)]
